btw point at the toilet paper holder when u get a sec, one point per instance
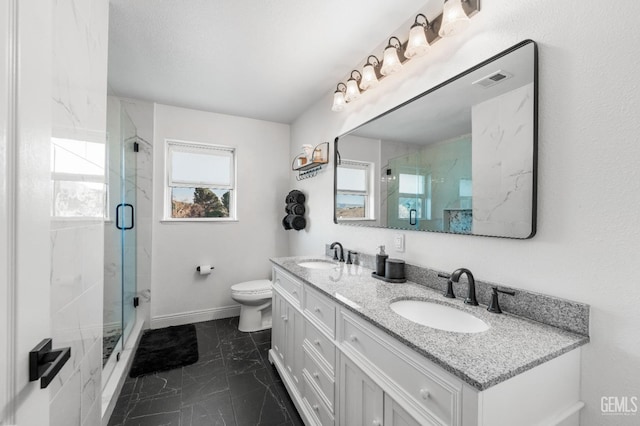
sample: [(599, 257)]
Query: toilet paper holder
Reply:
[(198, 268)]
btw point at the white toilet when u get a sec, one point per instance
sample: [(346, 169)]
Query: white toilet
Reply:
[(255, 300)]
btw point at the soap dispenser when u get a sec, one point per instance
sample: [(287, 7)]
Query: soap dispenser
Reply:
[(381, 259)]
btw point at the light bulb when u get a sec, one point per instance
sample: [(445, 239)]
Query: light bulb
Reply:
[(390, 62), (352, 92), (454, 19), (369, 77), (417, 44), (338, 101)]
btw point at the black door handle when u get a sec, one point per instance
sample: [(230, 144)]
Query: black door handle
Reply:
[(412, 217), (45, 363), (118, 207)]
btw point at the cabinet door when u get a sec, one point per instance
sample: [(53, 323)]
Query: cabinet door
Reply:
[(361, 400), (395, 415), (298, 353), (278, 326), (293, 330)]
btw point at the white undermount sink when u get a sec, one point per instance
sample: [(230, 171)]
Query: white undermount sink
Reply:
[(318, 264), (438, 316)]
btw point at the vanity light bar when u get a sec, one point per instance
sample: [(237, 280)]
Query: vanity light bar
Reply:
[(423, 33)]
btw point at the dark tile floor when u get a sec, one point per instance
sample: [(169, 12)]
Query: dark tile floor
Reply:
[(232, 383)]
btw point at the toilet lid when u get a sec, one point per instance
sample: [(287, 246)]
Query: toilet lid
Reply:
[(252, 287)]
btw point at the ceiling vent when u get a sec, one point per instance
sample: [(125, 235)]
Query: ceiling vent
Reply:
[(493, 79)]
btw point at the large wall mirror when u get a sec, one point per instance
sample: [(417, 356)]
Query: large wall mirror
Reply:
[(459, 158)]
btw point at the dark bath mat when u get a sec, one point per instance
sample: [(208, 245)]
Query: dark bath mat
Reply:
[(165, 349)]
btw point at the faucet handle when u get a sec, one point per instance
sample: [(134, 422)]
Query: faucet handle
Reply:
[(449, 293), (494, 306)]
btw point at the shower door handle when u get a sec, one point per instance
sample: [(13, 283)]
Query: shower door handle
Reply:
[(412, 217), (120, 206)]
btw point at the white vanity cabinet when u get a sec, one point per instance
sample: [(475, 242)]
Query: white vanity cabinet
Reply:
[(303, 348), (342, 370), (288, 327)]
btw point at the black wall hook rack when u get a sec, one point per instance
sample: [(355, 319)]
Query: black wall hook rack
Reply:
[(302, 175)]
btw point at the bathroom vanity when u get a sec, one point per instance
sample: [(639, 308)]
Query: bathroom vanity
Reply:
[(347, 358)]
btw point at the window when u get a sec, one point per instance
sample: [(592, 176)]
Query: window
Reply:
[(353, 195), (414, 194), (465, 192), (78, 178), (200, 181)]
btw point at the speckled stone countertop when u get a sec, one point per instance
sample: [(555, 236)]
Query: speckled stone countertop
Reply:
[(511, 346)]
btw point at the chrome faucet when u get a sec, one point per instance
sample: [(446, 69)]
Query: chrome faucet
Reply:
[(455, 277), (335, 251)]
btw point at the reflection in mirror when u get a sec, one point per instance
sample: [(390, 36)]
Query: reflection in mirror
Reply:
[(459, 158)]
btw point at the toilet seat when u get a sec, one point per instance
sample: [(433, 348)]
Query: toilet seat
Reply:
[(252, 288), (254, 298)]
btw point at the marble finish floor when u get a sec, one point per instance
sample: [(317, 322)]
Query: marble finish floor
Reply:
[(232, 383)]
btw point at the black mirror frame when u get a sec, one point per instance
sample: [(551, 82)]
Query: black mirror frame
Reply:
[(534, 204)]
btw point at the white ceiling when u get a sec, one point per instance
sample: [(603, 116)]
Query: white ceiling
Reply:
[(264, 59)]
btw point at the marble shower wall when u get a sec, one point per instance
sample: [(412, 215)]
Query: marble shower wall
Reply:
[(502, 166), (80, 31)]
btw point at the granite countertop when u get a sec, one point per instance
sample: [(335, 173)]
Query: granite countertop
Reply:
[(511, 346)]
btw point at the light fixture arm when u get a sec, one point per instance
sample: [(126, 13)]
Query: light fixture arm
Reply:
[(343, 89), (426, 24), (375, 58), (358, 76), (398, 44)]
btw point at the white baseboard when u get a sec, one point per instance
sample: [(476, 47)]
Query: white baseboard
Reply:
[(568, 417), (169, 320)]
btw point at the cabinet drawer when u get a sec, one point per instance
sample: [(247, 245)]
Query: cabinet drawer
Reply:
[(320, 310), (317, 375), (422, 388), (321, 416), (321, 344), (288, 286)]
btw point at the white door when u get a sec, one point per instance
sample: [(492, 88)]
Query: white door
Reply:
[(25, 132)]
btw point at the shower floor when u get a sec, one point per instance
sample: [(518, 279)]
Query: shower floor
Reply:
[(109, 341)]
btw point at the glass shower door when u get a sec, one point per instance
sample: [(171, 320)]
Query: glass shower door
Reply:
[(125, 222)]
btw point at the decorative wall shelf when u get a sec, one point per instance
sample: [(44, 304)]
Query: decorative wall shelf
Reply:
[(307, 169)]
